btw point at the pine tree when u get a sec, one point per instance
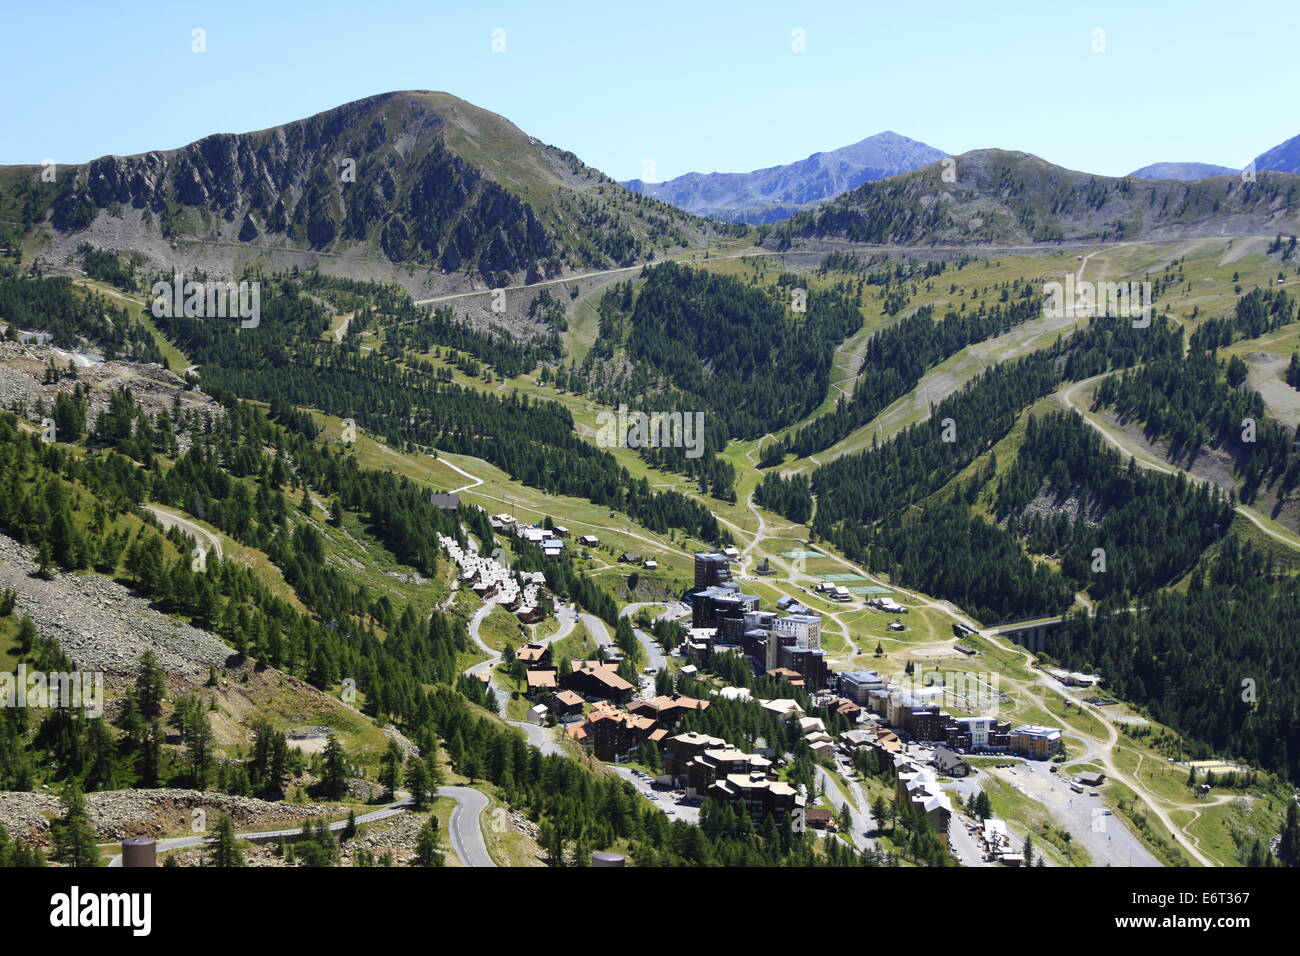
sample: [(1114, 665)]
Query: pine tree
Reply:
[(150, 687), (74, 838), (428, 851), (223, 848), (334, 773), (390, 768), (417, 781)]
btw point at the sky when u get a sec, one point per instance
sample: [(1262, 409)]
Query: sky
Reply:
[(654, 90)]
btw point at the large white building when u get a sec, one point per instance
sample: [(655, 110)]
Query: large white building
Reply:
[(806, 629)]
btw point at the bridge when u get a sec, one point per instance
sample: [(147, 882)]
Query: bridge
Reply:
[(1031, 635)]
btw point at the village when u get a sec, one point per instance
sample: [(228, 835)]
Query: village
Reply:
[(921, 731)]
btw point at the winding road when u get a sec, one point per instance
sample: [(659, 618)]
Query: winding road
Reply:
[(170, 520), (465, 829), (537, 736)]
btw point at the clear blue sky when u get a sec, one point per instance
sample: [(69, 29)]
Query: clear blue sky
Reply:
[(703, 85)]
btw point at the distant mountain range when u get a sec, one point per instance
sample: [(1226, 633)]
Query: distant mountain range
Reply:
[(1008, 197), (1182, 171), (777, 192), (1283, 158), (417, 178), (427, 190)]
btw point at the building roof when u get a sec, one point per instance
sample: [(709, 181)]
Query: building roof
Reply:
[(696, 739), (946, 759), (783, 706), (602, 671), (569, 698), (1037, 730), (669, 703), (541, 679)]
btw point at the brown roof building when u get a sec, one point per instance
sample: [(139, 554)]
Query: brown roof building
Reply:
[(613, 734), (597, 680), (667, 710), (541, 679), (566, 703)]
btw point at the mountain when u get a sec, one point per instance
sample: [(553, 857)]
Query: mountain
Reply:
[(1283, 158), (418, 178), (1004, 196), (767, 195), (1182, 171)]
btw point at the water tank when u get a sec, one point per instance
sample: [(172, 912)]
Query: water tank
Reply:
[(608, 859), (139, 851)]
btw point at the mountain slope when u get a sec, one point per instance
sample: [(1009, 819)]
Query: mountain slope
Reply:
[(406, 177), (1282, 158), (1004, 196), (767, 195), (1181, 171)]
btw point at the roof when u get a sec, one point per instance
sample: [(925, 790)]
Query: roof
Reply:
[(675, 702), (542, 678), (783, 706), (602, 671), (569, 698), (1036, 730), (946, 759), (697, 739)]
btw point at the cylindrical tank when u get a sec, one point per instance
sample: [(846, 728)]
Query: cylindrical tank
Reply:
[(608, 859), (140, 851)]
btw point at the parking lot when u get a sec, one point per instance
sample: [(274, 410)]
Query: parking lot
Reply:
[(1087, 816), (673, 803)]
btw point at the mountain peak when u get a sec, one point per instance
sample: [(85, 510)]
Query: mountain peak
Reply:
[(777, 192)]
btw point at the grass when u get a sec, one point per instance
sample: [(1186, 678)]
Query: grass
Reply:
[(500, 628)]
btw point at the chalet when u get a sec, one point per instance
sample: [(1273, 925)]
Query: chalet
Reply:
[(589, 541), (630, 557), (536, 535), (566, 703), (597, 680), (530, 615), (791, 677), (667, 710), (447, 502), (949, 763), (820, 819), (538, 654), (783, 707), (650, 564), (541, 680)]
